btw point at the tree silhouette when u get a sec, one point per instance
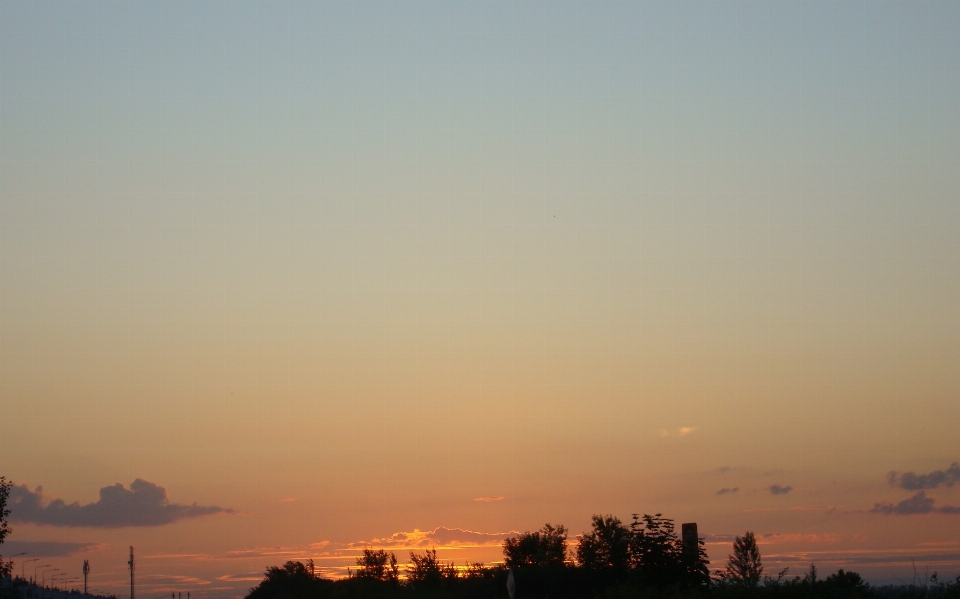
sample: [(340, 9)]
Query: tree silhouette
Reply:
[(378, 565), (645, 559), (607, 547), (849, 584), (426, 571), (292, 580), (654, 548), (543, 548), (744, 566), (5, 566)]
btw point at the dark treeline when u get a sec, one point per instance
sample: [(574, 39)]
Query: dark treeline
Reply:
[(644, 558)]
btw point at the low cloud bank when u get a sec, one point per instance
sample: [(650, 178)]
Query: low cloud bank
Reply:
[(918, 503), (912, 481), (143, 504)]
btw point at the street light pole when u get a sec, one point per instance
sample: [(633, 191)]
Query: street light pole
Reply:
[(35, 568), (23, 574), (59, 578), (43, 589), (54, 581), (44, 572)]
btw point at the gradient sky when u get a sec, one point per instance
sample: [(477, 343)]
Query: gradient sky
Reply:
[(347, 267)]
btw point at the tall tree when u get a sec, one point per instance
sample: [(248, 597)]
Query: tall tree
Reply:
[(744, 565), (546, 547), (607, 547), (655, 550)]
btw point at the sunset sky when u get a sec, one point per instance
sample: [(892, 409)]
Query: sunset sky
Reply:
[(325, 275)]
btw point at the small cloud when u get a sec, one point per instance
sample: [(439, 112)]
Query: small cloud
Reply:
[(919, 503), (320, 545), (718, 538), (779, 490), (143, 504), (682, 431), (724, 469), (912, 481), (726, 490), (489, 499)]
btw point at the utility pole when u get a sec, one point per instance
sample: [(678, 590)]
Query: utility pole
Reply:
[(132, 568), (86, 571)]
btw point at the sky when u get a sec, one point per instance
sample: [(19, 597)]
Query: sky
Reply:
[(304, 277)]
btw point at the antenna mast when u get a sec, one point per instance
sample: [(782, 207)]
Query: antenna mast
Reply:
[(132, 568), (86, 571)]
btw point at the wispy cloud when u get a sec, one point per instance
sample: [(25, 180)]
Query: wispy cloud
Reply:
[(779, 489), (263, 552), (829, 509), (440, 537), (143, 504), (247, 577), (727, 490), (49, 548), (160, 579), (800, 537), (912, 481), (489, 499), (788, 538), (919, 503)]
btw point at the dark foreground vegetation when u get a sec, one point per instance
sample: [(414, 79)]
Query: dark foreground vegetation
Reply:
[(644, 559)]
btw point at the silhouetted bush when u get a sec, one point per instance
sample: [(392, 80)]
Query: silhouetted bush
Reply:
[(292, 580)]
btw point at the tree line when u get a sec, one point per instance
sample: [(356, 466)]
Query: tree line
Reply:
[(642, 558)]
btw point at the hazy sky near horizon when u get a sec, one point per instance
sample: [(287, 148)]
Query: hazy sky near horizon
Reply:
[(346, 267)]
